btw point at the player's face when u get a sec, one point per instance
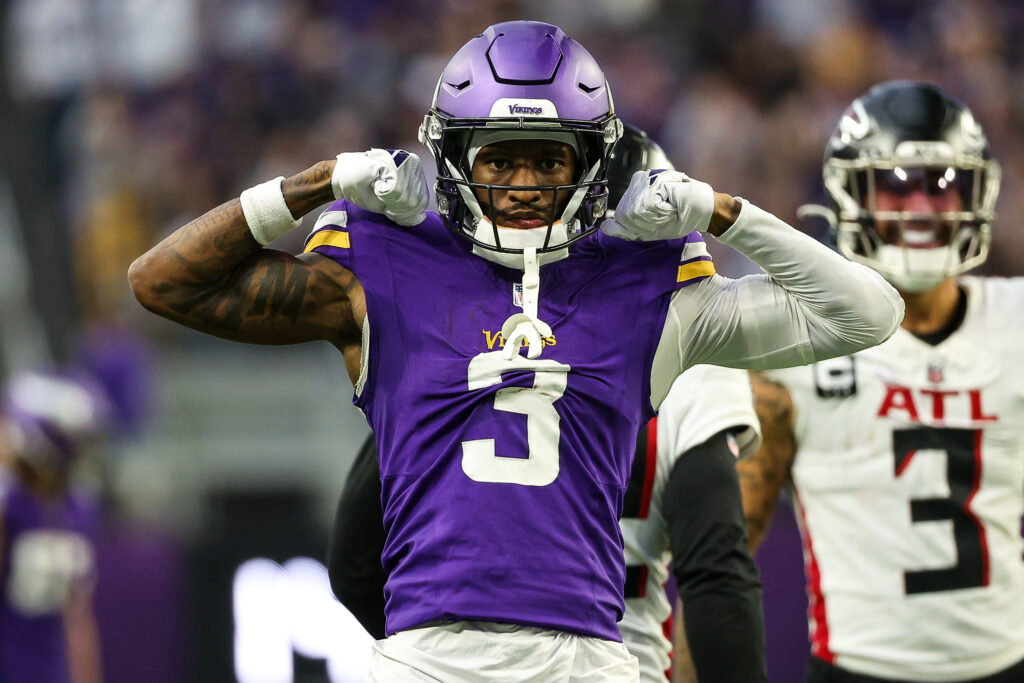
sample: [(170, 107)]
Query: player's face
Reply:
[(525, 164), (924, 193)]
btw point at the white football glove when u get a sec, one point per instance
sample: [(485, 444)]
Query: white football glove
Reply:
[(662, 205), (383, 181)]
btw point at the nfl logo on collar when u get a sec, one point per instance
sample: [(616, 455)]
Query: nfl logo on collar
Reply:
[(934, 373)]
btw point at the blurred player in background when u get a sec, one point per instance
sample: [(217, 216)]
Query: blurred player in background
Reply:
[(907, 459), (48, 631), (504, 468), (682, 496)]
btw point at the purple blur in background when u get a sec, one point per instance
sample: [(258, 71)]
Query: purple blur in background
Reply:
[(142, 606), (780, 560)]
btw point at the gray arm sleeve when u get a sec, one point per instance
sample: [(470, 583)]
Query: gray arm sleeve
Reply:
[(810, 304)]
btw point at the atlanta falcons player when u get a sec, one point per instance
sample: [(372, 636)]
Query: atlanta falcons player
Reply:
[(907, 459)]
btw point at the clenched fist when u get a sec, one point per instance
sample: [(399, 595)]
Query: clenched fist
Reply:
[(383, 181), (662, 205)]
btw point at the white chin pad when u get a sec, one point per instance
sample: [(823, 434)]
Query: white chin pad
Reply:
[(513, 238), (915, 270)]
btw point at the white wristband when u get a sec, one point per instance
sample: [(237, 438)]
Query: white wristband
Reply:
[(266, 212)]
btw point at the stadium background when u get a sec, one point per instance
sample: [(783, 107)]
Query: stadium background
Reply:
[(122, 119)]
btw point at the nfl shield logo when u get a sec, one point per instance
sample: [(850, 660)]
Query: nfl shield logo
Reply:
[(517, 294), (934, 373)]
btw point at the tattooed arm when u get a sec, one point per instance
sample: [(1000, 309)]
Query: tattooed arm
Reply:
[(213, 276), (762, 475)]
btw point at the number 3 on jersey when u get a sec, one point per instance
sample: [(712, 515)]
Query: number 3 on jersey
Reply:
[(480, 462), (963, 472)]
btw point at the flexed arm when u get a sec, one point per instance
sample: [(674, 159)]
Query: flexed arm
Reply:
[(212, 275), (810, 304)]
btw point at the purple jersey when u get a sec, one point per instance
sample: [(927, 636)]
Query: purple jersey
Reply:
[(503, 481), (46, 550)]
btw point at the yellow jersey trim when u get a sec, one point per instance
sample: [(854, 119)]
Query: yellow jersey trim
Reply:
[(328, 238), (689, 271)]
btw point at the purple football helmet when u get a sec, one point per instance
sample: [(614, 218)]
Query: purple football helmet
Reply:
[(52, 416), (522, 79)]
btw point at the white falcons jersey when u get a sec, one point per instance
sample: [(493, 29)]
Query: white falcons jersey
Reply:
[(702, 402), (909, 480)]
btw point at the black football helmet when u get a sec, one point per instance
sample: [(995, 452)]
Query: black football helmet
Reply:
[(903, 137), (634, 151)]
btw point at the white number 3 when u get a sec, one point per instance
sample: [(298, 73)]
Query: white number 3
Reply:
[(540, 467)]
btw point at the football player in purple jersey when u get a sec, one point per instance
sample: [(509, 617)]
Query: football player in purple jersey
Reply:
[(696, 507), (48, 631), (506, 349)]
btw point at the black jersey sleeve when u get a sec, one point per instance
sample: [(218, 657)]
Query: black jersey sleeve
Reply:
[(717, 579), (357, 541)]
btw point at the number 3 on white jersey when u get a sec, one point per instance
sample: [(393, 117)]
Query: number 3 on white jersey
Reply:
[(540, 467)]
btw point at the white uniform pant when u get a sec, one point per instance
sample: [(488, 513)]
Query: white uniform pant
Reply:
[(499, 653)]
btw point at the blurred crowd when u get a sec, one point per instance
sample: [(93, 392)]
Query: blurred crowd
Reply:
[(159, 110)]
